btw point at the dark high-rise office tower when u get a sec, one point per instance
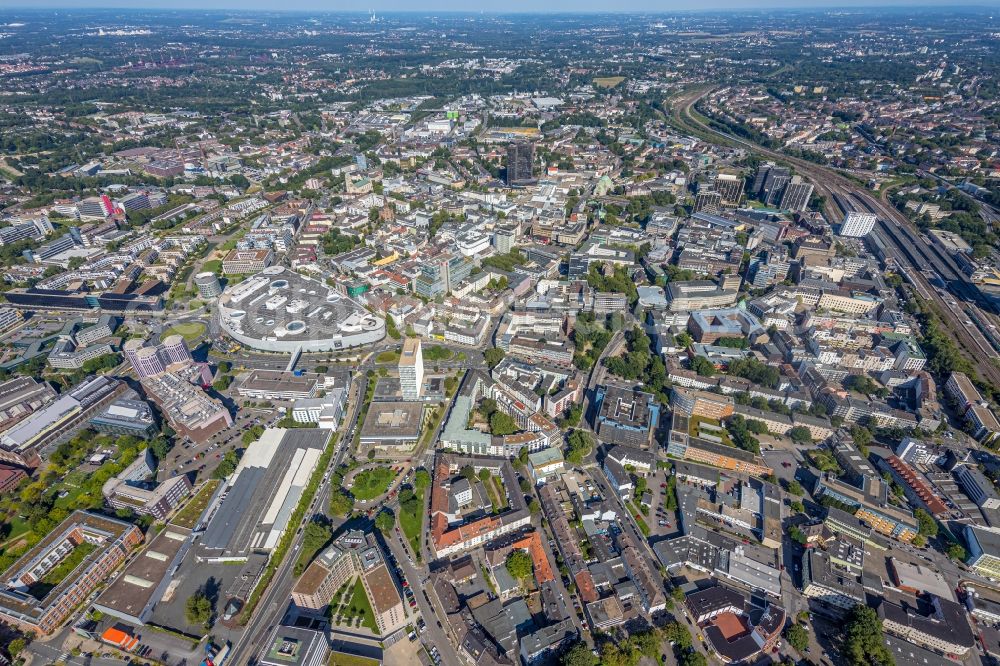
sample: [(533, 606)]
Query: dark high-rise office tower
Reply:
[(520, 160), (774, 184), (758, 179)]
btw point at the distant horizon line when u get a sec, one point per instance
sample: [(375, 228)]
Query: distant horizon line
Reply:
[(834, 6)]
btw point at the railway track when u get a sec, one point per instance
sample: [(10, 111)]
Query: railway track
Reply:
[(837, 189)]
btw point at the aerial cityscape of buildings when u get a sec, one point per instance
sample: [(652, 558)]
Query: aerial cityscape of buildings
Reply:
[(501, 340)]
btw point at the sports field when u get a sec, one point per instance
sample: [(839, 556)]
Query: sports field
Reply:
[(608, 81)]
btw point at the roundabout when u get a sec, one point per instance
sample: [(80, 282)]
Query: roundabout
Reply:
[(191, 331)]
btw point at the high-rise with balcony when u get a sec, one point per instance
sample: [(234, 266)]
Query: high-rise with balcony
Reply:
[(708, 201), (96, 208), (796, 195), (411, 369), (150, 361), (145, 361), (174, 350), (857, 225), (773, 184), (730, 188), (520, 160), (441, 274)]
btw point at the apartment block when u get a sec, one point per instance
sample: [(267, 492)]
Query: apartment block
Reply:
[(354, 554), (31, 606)]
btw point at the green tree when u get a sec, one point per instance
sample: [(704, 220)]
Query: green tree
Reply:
[(702, 366), (572, 417), (618, 282), (825, 461), (733, 343), (862, 437), (800, 435), (756, 371), (227, 465), (919, 541), (341, 503), (861, 384), (487, 406), (371, 483), (390, 328), (519, 565), (222, 383), (926, 525), (385, 521), (493, 356), (864, 644), (198, 610), (335, 242), (502, 424), (421, 479), (17, 646), (647, 642), (797, 637), (160, 447), (956, 552), (739, 430), (252, 435), (578, 654), (692, 659), (315, 535), (678, 634), (484, 475), (795, 488), (579, 447), (468, 472)]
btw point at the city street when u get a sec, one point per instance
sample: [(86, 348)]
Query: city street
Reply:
[(273, 604), (435, 633)]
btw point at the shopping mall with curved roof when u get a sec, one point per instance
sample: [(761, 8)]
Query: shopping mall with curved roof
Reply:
[(280, 310)]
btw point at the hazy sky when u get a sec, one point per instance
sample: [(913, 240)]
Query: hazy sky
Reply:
[(488, 5)]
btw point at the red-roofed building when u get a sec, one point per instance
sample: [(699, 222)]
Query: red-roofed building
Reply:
[(10, 477), (120, 639), (449, 534), (585, 586), (532, 542), (916, 488), (393, 280)]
